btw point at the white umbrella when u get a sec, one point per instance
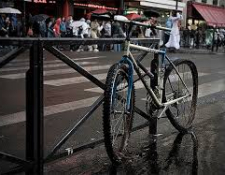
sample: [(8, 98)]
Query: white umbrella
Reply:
[(76, 24), (9, 10)]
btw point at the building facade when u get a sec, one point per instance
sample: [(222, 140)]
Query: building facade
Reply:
[(78, 8), (206, 13), (220, 3)]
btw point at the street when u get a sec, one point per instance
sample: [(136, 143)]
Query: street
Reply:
[(67, 96)]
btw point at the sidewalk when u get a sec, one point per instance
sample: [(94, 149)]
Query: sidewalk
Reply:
[(172, 154), (200, 51)]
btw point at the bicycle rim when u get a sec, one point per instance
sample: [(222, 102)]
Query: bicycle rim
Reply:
[(182, 113), (116, 122)]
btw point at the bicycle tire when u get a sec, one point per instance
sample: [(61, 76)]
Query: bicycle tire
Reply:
[(175, 119), (115, 72)]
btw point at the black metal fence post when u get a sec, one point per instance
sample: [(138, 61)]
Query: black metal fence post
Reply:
[(154, 83), (33, 164), (34, 115)]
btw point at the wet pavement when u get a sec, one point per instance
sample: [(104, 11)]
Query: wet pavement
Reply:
[(168, 153), (199, 152)]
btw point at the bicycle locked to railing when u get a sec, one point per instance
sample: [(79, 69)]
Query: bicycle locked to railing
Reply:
[(173, 90)]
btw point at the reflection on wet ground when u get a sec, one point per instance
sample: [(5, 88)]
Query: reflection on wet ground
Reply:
[(181, 159)]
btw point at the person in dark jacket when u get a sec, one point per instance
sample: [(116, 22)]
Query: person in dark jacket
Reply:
[(3, 30), (117, 32)]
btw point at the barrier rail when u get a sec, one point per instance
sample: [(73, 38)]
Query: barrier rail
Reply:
[(34, 162)]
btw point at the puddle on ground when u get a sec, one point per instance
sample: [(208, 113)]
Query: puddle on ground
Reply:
[(180, 157)]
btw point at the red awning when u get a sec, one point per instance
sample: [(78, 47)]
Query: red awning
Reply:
[(212, 15)]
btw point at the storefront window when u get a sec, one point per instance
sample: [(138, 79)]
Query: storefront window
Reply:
[(215, 2), (204, 1)]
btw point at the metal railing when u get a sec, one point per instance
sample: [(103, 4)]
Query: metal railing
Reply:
[(35, 159)]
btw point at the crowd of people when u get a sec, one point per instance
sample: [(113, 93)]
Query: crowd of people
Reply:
[(11, 26), (195, 36), (83, 28), (68, 27)]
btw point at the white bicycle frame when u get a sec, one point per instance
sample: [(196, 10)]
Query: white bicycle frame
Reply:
[(160, 73), (160, 68)]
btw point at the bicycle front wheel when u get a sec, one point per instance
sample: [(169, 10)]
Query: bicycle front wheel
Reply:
[(117, 122), (181, 114)]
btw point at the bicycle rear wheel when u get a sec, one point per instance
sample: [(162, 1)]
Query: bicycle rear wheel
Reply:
[(117, 122), (181, 114)]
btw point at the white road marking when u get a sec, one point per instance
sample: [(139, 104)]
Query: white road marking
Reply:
[(49, 110), (209, 88), (139, 84), (73, 80), (46, 66), (204, 90), (67, 70), (57, 60)]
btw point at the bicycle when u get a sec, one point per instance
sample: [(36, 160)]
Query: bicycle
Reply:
[(171, 88)]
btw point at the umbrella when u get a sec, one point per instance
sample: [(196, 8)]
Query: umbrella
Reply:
[(96, 12), (77, 24), (151, 13), (9, 10), (40, 17), (136, 17), (100, 16), (100, 11), (133, 16)]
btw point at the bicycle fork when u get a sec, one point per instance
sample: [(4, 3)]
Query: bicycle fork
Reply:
[(126, 60)]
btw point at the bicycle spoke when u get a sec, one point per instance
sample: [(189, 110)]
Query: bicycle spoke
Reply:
[(114, 131)]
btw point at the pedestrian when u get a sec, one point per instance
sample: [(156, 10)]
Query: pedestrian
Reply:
[(95, 30), (19, 28), (106, 33), (50, 25), (197, 37), (117, 32), (90, 48), (63, 27), (3, 30), (169, 25), (69, 30), (84, 33), (69, 26), (174, 40), (43, 28), (56, 28)]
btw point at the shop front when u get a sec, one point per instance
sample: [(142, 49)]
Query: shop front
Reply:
[(57, 8), (199, 14), (82, 8), (34, 7)]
